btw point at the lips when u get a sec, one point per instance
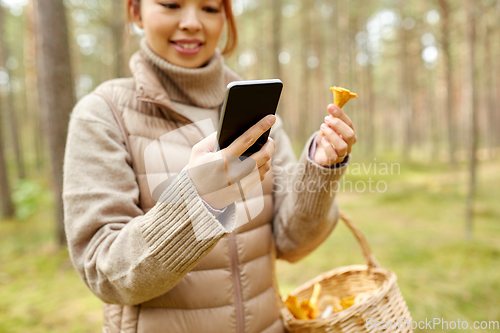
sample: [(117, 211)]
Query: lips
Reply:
[(188, 46)]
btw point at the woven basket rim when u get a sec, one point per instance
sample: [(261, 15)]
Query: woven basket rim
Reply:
[(390, 279), (388, 290)]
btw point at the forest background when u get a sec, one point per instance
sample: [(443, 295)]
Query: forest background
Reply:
[(427, 73)]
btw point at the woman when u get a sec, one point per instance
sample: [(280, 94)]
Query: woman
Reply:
[(174, 260)]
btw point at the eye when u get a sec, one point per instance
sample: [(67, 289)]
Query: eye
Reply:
[(211, 9), (170, 5)]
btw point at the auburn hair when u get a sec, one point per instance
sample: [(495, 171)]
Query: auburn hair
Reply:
[(232, 31)]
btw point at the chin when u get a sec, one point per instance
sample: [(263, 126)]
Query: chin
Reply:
[(186, 63)]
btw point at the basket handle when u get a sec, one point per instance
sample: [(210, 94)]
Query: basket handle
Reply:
[(360, 237)]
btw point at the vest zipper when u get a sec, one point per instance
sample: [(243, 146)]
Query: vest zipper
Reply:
[(240, 325)]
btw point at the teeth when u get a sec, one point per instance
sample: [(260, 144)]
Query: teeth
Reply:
[(188, 46)]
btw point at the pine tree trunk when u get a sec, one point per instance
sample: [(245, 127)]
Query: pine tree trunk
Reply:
[(470, 82), (4, 55), (370, 135), (319, 86), (36, 138), (276, 48), (117, 25), (306, 72), (497, 119), (406, 104), (445, 42), (335, 44), (56, 90), (5, 193), (490, 93)]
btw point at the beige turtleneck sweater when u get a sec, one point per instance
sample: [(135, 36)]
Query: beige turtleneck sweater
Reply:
[(87, 143), (203, 87)]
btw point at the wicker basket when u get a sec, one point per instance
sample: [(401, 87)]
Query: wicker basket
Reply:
[(385, 304)]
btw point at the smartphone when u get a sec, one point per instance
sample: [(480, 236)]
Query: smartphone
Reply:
[(245, 104)]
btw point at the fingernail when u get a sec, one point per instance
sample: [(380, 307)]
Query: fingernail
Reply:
[(271, 119), (323, 126), (327, 118)]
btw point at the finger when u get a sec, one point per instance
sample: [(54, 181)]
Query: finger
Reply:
[(265, 153), (340, 146), (247, 139), (264, 169), (337, 112), (240, 166), (330, 153), (339, 126)]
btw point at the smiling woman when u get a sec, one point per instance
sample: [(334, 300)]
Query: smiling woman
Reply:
[(184, 32), (142, 233)]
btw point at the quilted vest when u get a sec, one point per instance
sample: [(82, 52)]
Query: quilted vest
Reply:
[(231, 289)]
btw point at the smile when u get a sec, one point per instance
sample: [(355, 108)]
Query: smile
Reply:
[(187, 47)]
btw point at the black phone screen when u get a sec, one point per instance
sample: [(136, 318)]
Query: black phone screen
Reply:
[(245, 105)]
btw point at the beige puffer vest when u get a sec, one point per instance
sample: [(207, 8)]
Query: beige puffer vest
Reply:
[(229, 290)]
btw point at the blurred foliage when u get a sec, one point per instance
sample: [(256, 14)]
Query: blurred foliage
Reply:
[(26, 197)]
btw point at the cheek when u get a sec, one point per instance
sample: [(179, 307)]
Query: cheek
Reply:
[(158, 27), (214, 29)]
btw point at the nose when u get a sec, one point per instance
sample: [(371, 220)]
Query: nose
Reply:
[(189, 21)]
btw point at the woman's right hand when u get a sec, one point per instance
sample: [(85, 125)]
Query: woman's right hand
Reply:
[(215, 174)]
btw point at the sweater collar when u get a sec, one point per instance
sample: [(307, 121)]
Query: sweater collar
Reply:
[(158, 80)]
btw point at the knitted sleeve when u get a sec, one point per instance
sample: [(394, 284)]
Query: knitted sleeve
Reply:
[(122, 254), (305, 206)]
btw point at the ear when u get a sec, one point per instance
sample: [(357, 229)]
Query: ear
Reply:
[(134, 8)]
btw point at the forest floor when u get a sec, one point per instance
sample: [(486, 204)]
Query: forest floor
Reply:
[(415, 228)]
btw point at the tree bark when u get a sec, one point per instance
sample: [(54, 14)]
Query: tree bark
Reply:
[(276, 49), (306, 72), (370, 128), (36, 137), (5, 192), (57, 94), (335, 44), (319, 101), (16, 140), (490, 93), (118, 26), (497, 122), (448, 64), (406, 94), (470, 83), (343, 46)]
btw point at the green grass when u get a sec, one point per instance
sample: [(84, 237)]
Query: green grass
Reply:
[(40, 290), (415, 228)]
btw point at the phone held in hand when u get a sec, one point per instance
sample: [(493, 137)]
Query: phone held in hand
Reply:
[(245, 104)]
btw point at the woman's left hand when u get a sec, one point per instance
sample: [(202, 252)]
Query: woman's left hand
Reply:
[(339, 137)]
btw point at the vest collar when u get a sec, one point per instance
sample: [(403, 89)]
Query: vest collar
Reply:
[(148, 87)]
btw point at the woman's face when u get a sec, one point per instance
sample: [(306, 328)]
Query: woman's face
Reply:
[(183, 32)]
